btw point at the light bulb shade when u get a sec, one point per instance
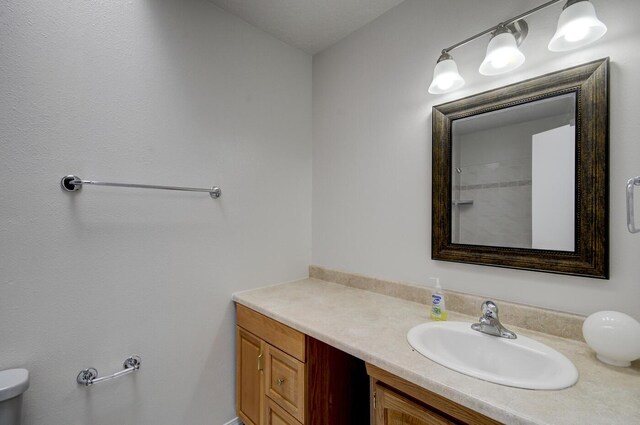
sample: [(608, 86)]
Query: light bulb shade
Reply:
[(614, 336), (446, 77), (502, 55), (578, 26)]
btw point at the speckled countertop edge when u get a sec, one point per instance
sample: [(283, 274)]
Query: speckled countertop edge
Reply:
[(350, 320)]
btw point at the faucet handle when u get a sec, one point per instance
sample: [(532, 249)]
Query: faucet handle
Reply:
[(489, 310)]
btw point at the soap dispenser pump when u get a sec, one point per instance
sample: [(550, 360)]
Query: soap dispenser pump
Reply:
[(438, 309)]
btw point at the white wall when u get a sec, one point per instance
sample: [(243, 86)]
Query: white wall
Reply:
[(372, 146), (161, 92)]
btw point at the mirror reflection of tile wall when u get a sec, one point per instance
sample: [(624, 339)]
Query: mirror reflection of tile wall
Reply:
[(501, 211), (492, 178)]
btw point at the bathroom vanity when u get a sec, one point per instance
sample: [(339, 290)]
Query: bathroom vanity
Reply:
[(303, 347), (287, 377)]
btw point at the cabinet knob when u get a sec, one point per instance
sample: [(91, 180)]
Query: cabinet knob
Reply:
[(280, 381)]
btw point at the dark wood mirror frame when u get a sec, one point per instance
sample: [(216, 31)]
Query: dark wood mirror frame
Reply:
[(590, 83)]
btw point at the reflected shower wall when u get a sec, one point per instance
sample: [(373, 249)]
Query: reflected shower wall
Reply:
[(498, 207), (492, 181)]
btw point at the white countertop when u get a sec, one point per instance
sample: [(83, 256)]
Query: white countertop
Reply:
[(373, 327)]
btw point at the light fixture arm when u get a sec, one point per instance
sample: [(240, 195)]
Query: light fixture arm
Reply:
[(571, 3), (444, 56), (507, 23)]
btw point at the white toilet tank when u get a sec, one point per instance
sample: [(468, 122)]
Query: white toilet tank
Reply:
[(13, 382)]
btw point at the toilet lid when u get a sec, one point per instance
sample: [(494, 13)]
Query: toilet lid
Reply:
[(13, 382)]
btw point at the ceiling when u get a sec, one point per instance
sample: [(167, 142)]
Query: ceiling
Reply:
[(310, 25)]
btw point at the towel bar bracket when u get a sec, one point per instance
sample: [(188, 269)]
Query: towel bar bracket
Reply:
[(631, 223)]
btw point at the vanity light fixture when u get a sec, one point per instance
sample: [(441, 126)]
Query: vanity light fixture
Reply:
[(578, 26), (503, 54), (446, 77)]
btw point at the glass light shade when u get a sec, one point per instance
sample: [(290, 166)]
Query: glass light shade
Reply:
[(578, 26), (502, 55), (446, 77), (614, 336)]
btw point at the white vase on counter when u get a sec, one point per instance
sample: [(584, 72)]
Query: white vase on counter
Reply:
[(614, 336)]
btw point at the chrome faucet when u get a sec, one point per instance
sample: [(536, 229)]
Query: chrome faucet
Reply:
[(490, 324)]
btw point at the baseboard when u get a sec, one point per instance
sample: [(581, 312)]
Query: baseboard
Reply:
[(234, 421)]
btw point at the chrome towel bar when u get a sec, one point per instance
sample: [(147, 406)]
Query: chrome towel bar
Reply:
[(89, 376), (73, 183), (631, 222)]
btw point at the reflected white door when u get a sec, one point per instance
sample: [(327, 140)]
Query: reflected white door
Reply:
[(553, 189)]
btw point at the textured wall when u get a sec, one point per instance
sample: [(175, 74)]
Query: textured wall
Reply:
[(372, 146), (161, 92)]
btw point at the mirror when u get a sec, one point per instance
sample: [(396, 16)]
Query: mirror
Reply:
[(514, 176), (520, 175)]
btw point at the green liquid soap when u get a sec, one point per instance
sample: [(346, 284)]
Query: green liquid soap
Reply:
[(438, 309)]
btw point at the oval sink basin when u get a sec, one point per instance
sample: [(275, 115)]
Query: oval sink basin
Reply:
[(520, 363)]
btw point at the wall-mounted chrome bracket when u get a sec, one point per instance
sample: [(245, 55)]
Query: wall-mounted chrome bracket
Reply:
[(520, 30), (631, 221), (89, 376)]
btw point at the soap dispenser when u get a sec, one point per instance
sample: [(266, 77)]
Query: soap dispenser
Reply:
[(438, 308)]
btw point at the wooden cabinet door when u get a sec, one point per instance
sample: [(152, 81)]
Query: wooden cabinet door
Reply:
[(249, 377), (393, 409)]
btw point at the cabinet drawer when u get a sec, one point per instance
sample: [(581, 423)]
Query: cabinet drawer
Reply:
[(285, 381), (275, 333), (275, 415)]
